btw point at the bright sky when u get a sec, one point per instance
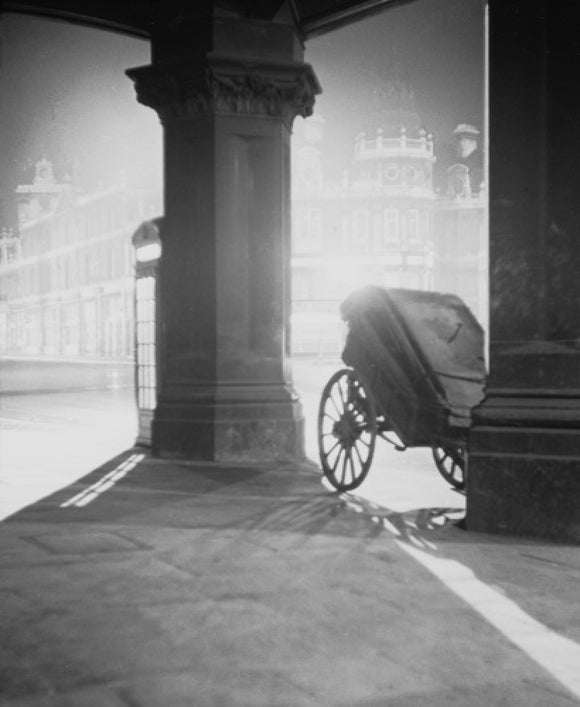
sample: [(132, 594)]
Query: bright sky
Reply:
[(439, 47), (68, 95)]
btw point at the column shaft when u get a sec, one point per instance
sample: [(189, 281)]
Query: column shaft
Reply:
[(524, 450), (225, 390)]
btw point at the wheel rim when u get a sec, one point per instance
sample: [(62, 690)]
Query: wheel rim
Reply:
[(450, 463), (347, 430)]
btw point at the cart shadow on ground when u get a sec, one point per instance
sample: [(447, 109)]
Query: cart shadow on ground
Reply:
[(422, 527)]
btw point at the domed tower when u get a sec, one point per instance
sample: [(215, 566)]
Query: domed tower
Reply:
[(394, 150), (391, 178)]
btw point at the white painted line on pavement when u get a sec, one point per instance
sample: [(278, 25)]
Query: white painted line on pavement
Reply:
[(109, 480), (38, 424), (557, 654)]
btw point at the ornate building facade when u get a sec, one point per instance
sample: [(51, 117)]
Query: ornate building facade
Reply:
[(394, 219), (66, 278), (401, 216)]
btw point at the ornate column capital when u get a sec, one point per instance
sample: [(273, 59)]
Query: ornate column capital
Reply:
[(226, 84)]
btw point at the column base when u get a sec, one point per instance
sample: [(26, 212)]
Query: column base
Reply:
[(523, 477), (144, 422), (225, 431)]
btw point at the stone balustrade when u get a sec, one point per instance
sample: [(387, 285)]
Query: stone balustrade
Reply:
[(380, 145)]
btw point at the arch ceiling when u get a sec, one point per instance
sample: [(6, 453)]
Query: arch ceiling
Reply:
[(137, 17)]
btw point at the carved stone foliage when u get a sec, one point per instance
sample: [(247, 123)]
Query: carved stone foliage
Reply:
[(224, 85)]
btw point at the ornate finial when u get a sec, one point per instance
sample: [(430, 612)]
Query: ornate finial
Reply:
[(44, 172)]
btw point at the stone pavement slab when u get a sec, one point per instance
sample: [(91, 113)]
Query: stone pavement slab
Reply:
[(183, 584)]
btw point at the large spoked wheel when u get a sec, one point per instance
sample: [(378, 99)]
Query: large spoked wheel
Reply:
[(347, 430), (450, 462)]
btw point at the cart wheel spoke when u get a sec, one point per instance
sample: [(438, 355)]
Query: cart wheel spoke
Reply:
[(450, 462), (347, 430), (344, 465), (329, 451), (353, 464), (339, 411), (331, 417), (360, 459), (367, 444), (331, 463)]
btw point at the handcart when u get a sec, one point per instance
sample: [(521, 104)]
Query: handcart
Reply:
[(415, 370)]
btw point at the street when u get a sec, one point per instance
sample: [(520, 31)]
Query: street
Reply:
[(58, 422), (61, 420)]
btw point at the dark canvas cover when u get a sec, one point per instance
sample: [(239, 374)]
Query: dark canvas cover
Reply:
[(423, 353)]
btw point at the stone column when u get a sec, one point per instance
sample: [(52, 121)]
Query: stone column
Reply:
[(524, 449), (227, 99)]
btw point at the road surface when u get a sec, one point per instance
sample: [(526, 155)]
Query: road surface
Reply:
[(59, 421)]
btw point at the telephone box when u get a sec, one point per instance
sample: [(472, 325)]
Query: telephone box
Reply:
[(147, 244)]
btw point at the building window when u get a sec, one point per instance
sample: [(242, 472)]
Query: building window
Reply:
[(411, 174), (377, 232), (43, 240), (44, 277), (302, 286), (413, 225), (70, 272), (128, 259), (89, 340), (361, 230), (49, 330), (391, 226), (309, 228), (392, 173), (70, 328)]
